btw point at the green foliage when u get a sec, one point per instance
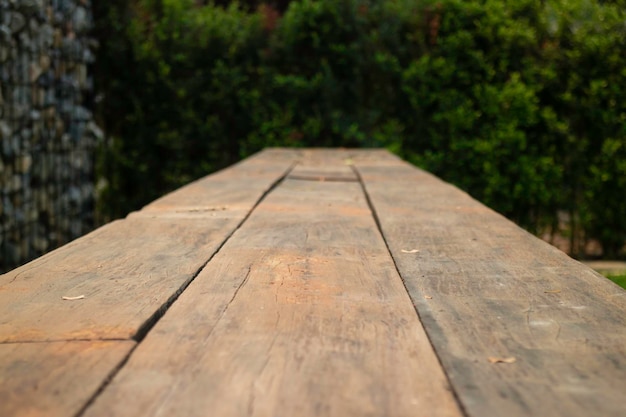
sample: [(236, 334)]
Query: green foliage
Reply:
[(619, 279), (183, 105), (480, 122), (583, 47), (517, 102), (333, 75)]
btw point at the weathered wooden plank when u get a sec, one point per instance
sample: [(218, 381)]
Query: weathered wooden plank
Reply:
[(237, 187), (339, 157), (485, 288), (323, 173), (335, 164), (55, 379), (301, 313), (129, 270), (126, 271)]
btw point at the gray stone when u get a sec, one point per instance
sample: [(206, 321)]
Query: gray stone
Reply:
[(46, 36), (5, 37), (41, 200), (27, 44), (81, 76), (17, 21), (50, 111), (15, 111), (10, 146), (4, 53), (33, 27), (6, 175), (81, 113), (94, 131), (11, 254), (71, 49), (58, 18), (89, 86), (88, 56), (40, 244), (69, 86), (39, 96), (21, 95), (5, 130), (57, 38), (31, 215), (74, 195), (64, 223), (46, 79), (37, 128), (88, 192), (24, 163), (66, 6), (65, 142), (75, 228), (44, 62), (35, 71), (26, 135), (81, 20), (77, 129), (8, 207), (59, 132), (15, 184), (29, 6), (50, 99)]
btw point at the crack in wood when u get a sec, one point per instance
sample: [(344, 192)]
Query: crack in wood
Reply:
[(152, 321), (374, 213), (102, 339)]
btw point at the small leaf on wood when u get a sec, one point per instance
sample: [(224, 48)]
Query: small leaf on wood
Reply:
[(552, 291), (494, 359), (79, 297), (410, 251), (348, 161), (428, 297)]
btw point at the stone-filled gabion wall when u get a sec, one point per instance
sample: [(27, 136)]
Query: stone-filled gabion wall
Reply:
[(47, 133)]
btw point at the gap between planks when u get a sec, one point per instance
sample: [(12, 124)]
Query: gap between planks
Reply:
[(401, 287), (153, 320), (372, 209), (32, 342)]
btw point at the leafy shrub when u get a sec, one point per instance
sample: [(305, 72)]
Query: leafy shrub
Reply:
[(517, 102), (184, 109), (480, 120)]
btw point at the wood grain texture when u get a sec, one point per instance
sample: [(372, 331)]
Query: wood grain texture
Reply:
[(323, 173), (126, 270), (485, 288), (335, 164), (130, 270), (236, 188), (54, 379), (301, 313)]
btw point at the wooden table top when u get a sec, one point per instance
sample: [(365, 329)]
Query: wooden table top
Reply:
[(311, 282)]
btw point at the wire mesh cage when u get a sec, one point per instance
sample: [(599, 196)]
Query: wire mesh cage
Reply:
[(48, 136)]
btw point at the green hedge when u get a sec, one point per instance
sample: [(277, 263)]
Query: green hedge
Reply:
[(518, 102)]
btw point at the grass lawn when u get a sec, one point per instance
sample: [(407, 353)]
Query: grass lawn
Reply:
[(619, 279)]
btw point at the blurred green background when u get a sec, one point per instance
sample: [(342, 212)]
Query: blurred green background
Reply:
[(520, 103)]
